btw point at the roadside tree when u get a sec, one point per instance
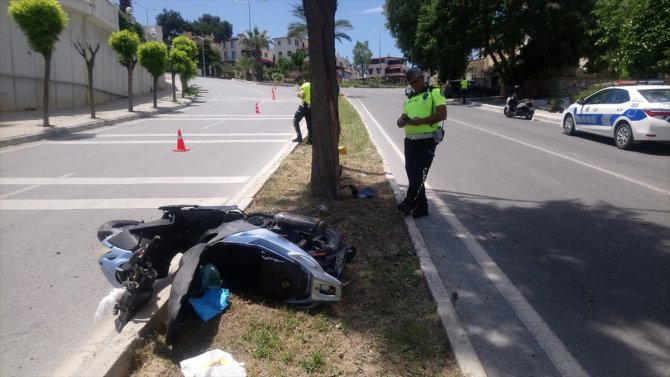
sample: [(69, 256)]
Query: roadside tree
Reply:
[(125, 43), (153, 56), (172, 23), (257, 41), (212, 25), (362, 58), (632, 37), (320, 15), (182, 62), (41, 21), (88, 52)]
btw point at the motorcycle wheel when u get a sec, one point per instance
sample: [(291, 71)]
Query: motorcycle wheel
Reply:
[(113, 227), (529, 116), (507, 113)]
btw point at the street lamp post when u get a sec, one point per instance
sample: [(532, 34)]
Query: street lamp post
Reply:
[(204, 67), (146, 10), (379, 60), (249, 2)]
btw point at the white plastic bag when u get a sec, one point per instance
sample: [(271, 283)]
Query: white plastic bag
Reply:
[(214, 363)]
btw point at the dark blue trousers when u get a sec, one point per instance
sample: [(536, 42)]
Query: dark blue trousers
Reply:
[(418, 158)]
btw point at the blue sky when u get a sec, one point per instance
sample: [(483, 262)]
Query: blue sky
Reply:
[(274, 16)]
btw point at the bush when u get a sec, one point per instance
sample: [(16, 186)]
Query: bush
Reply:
[(587, 92)]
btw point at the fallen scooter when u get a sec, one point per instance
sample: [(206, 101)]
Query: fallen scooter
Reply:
[(296, 258)]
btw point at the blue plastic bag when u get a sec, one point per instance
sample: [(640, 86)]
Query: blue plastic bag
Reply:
[(213, 302)]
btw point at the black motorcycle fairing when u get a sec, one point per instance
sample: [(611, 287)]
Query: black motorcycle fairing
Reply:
[(183, 278)]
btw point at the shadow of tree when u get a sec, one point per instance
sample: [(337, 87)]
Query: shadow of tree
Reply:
[(597, 274)]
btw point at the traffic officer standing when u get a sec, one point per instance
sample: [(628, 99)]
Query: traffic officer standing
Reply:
[(423, 112), (304, 111), (465, 85)]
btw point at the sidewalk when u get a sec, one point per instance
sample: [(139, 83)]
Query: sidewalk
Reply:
[(25, 126)]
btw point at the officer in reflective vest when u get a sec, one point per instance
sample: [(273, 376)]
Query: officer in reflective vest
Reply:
[(465, 85), (423, 112)]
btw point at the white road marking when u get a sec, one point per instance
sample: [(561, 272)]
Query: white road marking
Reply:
[(559, 355), (81, 204), (215, 124), (94, 142), (122, 180), (576, 161), (195, 135), (33, 185)]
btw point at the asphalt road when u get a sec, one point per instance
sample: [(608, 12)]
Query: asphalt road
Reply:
[(56, 193), (555, 249)]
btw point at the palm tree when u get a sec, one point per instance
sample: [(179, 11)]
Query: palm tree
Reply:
[(257, 41), (299, 29)]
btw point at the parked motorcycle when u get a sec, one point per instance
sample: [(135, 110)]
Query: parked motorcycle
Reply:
[(515, 107), (296, 258)]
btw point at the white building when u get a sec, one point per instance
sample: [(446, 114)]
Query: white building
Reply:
[(22, 69)]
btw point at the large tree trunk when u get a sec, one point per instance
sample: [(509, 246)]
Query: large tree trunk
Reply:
[(45, 97), (320, 16)]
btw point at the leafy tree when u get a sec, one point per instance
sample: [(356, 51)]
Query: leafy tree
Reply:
[(212, 25), (299, 29), (320, 15), (362, 58), (153, 56), (125, 43), (183, 62), (88, 52), (172, 23), (633, 37), (257, 41), (128, 22), (245, 66), (41, 21), (298, 61), (212, 58)]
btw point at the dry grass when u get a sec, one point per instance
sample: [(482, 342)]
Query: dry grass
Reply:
[(386, 323)]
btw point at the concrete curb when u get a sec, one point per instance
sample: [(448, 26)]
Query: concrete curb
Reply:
[(53, 132)]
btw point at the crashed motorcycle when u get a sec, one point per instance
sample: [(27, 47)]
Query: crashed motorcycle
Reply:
[(296, 258), (515, 107)]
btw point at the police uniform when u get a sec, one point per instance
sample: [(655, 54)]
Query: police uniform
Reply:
[(420, 144), (304, 111)]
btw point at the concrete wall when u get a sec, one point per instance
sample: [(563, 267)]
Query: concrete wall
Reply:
[(22, 70)]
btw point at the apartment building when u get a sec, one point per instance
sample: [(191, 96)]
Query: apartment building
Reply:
[(389, 68)]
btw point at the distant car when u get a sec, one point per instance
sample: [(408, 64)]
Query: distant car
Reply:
[(474, 89), (629, 114)]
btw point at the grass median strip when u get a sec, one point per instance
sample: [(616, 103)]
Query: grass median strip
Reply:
[(386, 323)]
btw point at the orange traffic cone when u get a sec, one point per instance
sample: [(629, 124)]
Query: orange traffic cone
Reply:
[(181, 147), (257, 110)]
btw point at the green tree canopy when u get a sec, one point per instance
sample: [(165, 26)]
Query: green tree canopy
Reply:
[(42, 22), (632, 37), (153, 57), (172, 23), (125, 43), (299, 29), (362, 56), (257, 41), (212, 25), (188, 46)]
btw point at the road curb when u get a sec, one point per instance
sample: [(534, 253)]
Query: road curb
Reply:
[(54, 132)]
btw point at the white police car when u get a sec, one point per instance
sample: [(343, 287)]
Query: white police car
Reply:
[(628, 114)]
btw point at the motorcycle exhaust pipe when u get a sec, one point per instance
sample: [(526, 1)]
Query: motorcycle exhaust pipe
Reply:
[(305, 224)]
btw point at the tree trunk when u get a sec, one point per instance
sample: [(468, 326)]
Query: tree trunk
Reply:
[(174, 87), (155, 92), (130, 88), (320, 15), (91, 92), (45, 97)]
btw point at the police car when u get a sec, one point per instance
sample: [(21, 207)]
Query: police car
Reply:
[(628, 114)]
